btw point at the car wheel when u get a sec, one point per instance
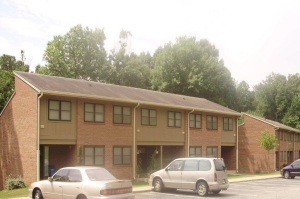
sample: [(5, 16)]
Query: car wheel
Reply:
[(81, 197), (216, 192), (286, 175), (158, 185), (38, 194), (292, 177), (202, 188)]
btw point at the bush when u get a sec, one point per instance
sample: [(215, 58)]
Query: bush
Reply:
[(14, 183)]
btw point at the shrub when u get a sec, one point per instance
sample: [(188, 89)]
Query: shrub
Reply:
[(14, 183)]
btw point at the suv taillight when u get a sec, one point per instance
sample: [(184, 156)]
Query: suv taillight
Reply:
[(216, 177)]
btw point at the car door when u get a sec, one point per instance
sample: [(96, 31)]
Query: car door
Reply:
[(73, 187), (190, 174), (295, 171), (54, 189), (172, 174)]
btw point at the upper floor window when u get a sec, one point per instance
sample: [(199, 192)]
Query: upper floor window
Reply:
[(122, 155), (212, 122), (196, 151), (149, 117), (93, 112), (59, 110), (94, 155), (174, 119), (195, 121), (122, 115), (227, 124)]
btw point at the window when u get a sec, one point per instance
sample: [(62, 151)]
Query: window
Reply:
[(93, 155), (149, 117), (191, 165), (174, 119), (204, 165), (122, 115), (196, 151), (93, 112), (212, 122), (175, 166), (227, 124), (59, 110), (212, 152), (195, 121), (74, 175), (122, 155)]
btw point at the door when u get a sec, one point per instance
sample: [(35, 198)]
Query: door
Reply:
[(190, 174), (172, 174), (72, 188), (55, 188)]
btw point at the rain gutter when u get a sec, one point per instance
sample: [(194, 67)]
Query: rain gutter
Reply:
[(188, 132), (134, 140)]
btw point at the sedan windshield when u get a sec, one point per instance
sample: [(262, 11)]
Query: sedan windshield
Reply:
[(99, 174)]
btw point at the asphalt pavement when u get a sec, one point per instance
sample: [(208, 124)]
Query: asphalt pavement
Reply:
[(146, 188)]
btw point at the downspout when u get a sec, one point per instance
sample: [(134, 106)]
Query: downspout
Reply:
[(134, 140), (275, 160), (38, 138), (188, 133), (237, 145)]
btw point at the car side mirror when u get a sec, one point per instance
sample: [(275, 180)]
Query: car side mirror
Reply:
[(50, 179), (167, 169)]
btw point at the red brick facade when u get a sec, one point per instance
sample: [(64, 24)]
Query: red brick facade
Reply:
[(253, 158), (18, 132), (19, 136)]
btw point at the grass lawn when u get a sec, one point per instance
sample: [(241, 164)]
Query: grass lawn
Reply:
[(14, 193)]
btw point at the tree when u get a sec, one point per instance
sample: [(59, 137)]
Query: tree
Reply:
[(271, 97), (79, 54), (193, 68), (129, 69), (245, 97), (8, 64), (268, 142)]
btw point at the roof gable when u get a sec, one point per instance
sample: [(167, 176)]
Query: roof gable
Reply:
[(89, 89), (273, 123)]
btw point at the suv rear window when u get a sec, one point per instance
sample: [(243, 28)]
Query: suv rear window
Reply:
[(219, 164)]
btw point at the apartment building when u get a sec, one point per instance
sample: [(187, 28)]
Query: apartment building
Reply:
[(51, 122), (253, 158)]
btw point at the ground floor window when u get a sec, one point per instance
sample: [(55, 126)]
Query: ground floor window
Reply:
[(196, 151), (94, 155), (212, 151), (122, 155)]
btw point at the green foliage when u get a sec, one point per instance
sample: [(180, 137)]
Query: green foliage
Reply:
[(14, 183), (245, 97), (79, 54), (193, 68), (6, 87), (267, 141)]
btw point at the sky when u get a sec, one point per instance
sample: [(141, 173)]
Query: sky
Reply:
[(254, 37)]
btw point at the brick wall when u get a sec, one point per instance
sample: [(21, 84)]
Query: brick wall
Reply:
[(253, 157), (18, 132), (106, 134)]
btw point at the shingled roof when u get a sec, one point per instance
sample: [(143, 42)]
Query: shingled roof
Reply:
[(273, 123), (89, 89)]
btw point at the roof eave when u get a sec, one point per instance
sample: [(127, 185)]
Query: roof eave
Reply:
[(67, 94)]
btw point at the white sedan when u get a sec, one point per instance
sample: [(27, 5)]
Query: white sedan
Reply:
[(81, 183)]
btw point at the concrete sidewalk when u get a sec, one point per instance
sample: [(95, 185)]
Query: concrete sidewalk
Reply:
[(146, 188)]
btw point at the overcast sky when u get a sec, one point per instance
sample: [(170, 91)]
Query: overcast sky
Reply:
[(254, 37)]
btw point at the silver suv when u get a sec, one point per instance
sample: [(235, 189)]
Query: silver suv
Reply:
[(201, 174)]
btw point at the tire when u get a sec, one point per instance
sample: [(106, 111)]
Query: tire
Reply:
[(202, 188), (287, 175), (158, 185), (292, 177), (216, 192), (38, 195), (81, 197)]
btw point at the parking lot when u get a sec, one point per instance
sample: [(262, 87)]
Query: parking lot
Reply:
[(275, 188)]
